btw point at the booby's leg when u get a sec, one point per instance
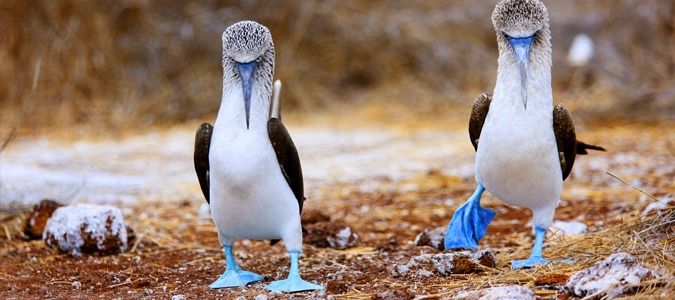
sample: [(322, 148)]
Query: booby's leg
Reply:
[(469, 223), (294, 283), (536, 257), (233, 276)]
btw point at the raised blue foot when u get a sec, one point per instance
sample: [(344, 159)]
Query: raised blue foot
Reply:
[(469, 223), (294, 283), (536, 257), (234, 276)]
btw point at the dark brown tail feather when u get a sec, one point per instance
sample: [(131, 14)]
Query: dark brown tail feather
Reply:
[(583, 147)]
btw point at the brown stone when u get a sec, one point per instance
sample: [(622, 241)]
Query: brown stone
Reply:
[(432, 237), (37, 219), (335, 234)]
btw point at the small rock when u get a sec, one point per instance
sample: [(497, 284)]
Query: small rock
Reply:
[(394, 295), (35, 224), (462, 262), (433, 237), (507, 292), (178, 297), (569, 228), (86, 228), (611, 277), (336, 234), (260, 297), (76, 284)]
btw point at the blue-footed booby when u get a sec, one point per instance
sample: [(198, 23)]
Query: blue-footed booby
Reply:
[(525, 147), (247, 164)]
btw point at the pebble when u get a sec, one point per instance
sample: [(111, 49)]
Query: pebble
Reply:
[(610, 278)]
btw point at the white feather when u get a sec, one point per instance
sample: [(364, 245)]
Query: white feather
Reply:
[(517, 158), (250, 197)]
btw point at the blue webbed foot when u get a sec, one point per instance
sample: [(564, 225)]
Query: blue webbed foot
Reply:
[(536, 258), (294, 283), (469, 223), (528, 263), (235, 278)]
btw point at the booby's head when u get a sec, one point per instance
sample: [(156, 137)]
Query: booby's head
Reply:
[(523, 33), (248, 57)]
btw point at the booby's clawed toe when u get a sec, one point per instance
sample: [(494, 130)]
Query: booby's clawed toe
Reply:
[(235, 278), (537, 257), (528, 263), (469, 223), (293, 284)]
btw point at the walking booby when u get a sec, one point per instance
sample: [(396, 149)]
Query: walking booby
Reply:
[(525, 147), (247, 164)]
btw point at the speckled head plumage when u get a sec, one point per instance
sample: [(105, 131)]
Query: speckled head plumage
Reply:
[(520, 18), (245, 41)]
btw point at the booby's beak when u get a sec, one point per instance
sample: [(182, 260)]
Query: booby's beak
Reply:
[(246, 71), (521, 48)]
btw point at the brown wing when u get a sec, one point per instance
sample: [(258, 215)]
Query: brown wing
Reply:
[(201, 157), (479, 112), (288, 158), (565, 137)]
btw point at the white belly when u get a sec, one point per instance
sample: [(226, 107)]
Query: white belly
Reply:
[(250, 198), (517, 159)]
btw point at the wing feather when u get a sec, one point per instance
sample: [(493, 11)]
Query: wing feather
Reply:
[(565, 137), (288, 158), (479, 112), (201, 157)]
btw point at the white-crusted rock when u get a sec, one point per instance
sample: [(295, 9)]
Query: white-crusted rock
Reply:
[(463, 262), (86, 228), (611, 277), (432, 237)]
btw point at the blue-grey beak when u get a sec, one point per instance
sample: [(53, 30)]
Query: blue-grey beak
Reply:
[(521, 48), (246, 71)]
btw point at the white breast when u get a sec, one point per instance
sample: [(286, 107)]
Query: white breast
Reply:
[(517, 157), (250, 198)]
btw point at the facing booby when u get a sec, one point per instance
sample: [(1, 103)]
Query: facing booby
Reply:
[(247, 164), (525, 147)]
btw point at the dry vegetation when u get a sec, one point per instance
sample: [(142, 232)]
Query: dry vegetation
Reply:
[(176, 252), (115, 63), (122, 64)]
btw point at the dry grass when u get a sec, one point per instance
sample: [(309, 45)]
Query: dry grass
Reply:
[(176, 251), (131, 62)]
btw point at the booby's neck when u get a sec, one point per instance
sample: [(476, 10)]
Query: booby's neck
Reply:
[(507, 92), (232, 113)]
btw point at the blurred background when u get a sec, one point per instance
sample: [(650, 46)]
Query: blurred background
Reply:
[(129, 63)]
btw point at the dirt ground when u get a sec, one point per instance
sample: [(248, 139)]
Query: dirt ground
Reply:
[(390, 186)]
